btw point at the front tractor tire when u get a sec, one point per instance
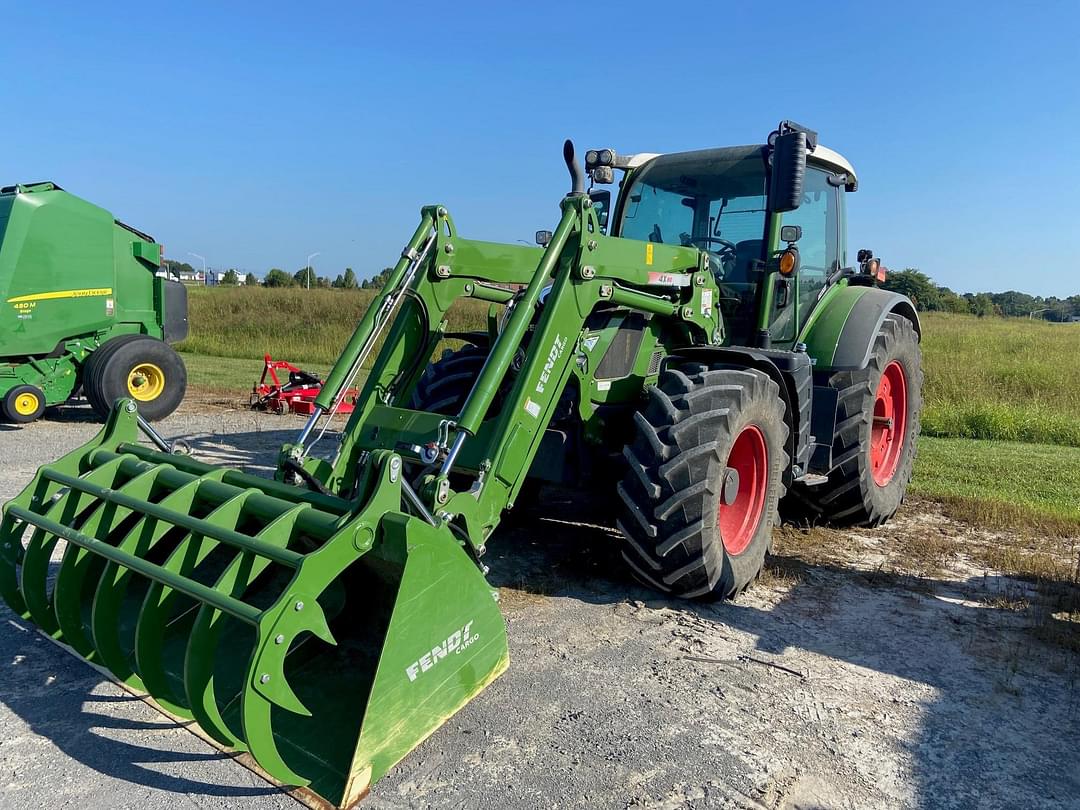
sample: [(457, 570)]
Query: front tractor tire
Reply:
[(877, 427), (445, 384), (699, 499), (143, 368)]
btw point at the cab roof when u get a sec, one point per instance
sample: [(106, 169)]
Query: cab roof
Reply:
[(821, 156)]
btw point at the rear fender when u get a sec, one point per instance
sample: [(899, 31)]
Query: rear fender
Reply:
[(840, 334)]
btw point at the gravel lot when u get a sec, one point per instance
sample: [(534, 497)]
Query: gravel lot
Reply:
[(825, 686)]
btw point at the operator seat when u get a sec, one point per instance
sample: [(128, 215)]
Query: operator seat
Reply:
[(738, 291), (746, 252)]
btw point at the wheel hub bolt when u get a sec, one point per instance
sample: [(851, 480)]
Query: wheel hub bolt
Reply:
[(731, 486)]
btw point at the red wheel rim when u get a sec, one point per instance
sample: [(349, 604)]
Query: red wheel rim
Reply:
[(887, 434), (738, 521)]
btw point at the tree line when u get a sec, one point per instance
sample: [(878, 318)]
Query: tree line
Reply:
[(931, 297), (276, 277), (916, 285)]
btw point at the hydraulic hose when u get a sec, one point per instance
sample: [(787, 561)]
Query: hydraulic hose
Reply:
[(344, 367)]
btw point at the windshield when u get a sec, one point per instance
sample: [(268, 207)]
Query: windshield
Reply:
[(709, 200)]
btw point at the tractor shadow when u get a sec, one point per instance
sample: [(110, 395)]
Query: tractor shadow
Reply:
[(253, 451), (58, 698), (113, 733), (1004, 716)]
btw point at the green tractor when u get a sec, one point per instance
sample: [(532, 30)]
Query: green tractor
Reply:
[(83, 306), (699, 351)]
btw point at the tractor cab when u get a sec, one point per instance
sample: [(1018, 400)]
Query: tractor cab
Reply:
[(744, 206)]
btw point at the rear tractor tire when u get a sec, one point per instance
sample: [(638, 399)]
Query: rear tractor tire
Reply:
[(699, 499), (877, 426), (142, 368), (24, 404)]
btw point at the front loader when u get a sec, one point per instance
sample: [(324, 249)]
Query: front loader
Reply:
[(697, 351)]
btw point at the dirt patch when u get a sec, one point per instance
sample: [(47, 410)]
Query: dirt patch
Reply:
[(1027, 572), (895, 667)]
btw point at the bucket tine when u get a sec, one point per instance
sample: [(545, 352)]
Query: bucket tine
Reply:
[(159, 605), (33, 581), (210, 624), (260, 737), (11, 557), (80, 571), (268, 687), (109, 599), (73, 508)]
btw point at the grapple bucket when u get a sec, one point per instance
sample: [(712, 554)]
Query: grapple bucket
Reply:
[(324, 637)]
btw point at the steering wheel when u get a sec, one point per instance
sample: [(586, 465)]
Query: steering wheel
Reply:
[(705, 241), (726, 253)]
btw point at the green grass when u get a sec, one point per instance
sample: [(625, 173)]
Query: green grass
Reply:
[(305, 327), (1006, 379), (994, 483), (986, 378)]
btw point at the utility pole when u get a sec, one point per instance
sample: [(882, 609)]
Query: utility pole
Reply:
[(203, 258)]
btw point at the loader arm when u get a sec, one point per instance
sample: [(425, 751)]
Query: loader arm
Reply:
[(325, 623), (485, 454)]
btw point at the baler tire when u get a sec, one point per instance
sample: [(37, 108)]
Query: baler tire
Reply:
[(24, 404), (91, 372), (698, 421), (113, 375), (852, 496)]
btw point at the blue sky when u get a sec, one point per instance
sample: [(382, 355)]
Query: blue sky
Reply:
[(255, 134)]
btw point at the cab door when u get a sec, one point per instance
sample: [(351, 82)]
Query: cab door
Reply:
[(821, 253)]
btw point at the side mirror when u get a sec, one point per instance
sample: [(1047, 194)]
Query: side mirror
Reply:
[(790, 233), (601, 201), (788, 172), (543, 237)]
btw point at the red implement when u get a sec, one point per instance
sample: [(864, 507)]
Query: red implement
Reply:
[(297, 394)]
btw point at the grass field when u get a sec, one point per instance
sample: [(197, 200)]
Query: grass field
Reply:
[(986, 378), (996, 378), (1001, 430), (308, 327), (1007, 484)]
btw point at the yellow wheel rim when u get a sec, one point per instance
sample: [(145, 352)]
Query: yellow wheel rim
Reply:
[(146, 382), (26, 404)]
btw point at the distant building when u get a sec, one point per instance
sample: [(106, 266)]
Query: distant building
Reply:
[(196, 277)]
